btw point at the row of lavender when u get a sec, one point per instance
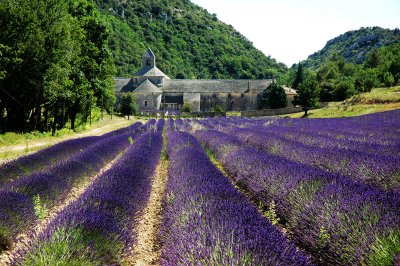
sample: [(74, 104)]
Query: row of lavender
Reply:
[(338, 219), (45, 158), (380, 128), (207, 221), (98, 228), (26, 199), (375, 163)]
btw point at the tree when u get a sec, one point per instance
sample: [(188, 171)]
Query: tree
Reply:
[(54, 63), (299, 77), (275, 96), (307, 93), (343, 89), (326, 92), (372, 59), (388, 79), (128, 105)]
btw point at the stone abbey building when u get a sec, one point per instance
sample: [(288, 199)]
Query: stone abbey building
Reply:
[(154, 90)]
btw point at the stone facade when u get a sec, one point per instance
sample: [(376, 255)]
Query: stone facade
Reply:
[(155, 91)]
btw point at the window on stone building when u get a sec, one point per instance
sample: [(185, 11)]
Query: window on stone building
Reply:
[(148, 63), (145, 103)]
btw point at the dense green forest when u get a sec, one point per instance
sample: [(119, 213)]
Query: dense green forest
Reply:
[(187, 40), (335, 74), (55, 64)]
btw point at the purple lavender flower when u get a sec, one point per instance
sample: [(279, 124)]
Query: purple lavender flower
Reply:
[(208, 222)]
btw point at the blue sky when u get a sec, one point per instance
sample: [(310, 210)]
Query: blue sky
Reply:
[(290, 30)]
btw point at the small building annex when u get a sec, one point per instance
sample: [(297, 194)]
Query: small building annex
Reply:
[(154, 90)]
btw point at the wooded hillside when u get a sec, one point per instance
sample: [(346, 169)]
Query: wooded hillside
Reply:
[(188, 41)]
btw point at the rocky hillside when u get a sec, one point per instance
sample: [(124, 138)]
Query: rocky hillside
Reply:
[(354, 45), (188, 41)]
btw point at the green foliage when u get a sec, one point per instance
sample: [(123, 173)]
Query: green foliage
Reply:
[(323, 238), (384, 250), (354, 62), (130, 139), (343, 89), (55, 63), (299, 77), (388, 79), (75, 247), (271, 213), (354, 46), (308, 92), (188, 41), (274, 96), (218, 108), (340, 80), (378, 100), (128, 105), (40, 208), (187, 108)]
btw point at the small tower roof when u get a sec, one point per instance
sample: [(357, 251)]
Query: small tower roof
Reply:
[(148, 53), (148, 71), (147, 87)]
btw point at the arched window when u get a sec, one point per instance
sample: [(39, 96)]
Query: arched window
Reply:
[(148, 62)]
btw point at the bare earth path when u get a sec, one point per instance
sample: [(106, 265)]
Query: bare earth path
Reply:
[(24, 241), (147, 249)]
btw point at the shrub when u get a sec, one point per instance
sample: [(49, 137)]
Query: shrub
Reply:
[(219, 109), (186, 108)]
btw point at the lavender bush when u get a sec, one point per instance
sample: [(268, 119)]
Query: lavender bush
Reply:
[(339, 220), (52, 186), (208, 222), (97, 228), (45, 158), (26, 165), (375, 169)]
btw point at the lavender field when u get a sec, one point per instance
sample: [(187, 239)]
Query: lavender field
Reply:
[(231, 191)]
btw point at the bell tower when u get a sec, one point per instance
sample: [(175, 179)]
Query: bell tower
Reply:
[(149, 59)]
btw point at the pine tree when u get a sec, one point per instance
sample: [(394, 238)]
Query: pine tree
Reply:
[(307, 93), (299, 77), (128, 105)]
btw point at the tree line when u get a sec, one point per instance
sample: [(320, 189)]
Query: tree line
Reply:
[(55, 63), (337, 80)]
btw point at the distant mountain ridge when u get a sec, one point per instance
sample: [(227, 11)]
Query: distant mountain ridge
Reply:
[(354, 45), (188, 41)]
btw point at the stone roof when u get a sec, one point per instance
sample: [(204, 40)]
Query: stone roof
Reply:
[(149, 53), (215, 86), (149, 71), (123, 84), (204, 86), (147, 87)]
